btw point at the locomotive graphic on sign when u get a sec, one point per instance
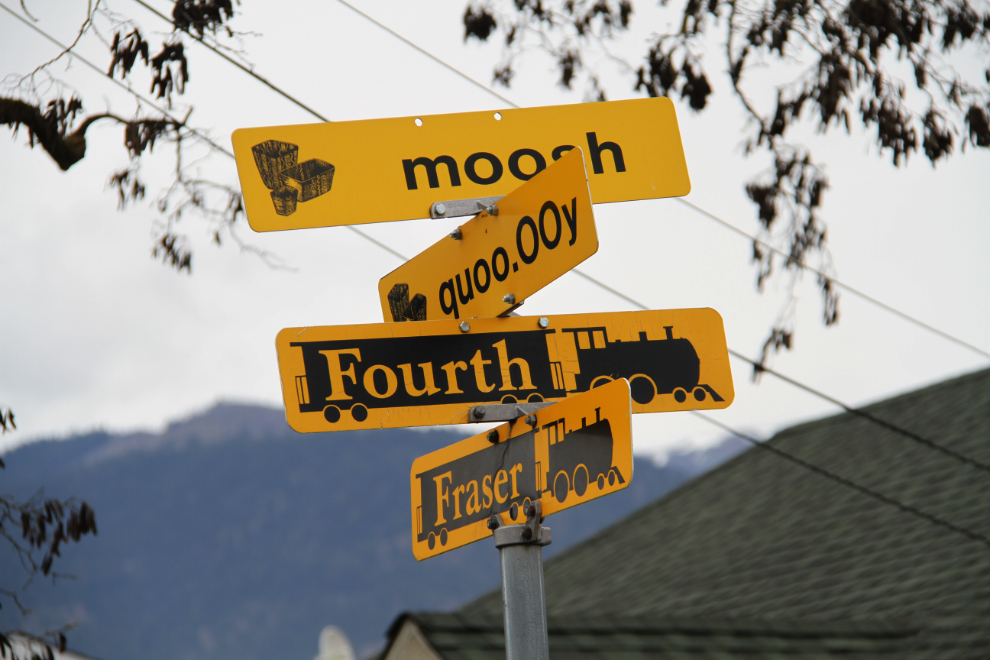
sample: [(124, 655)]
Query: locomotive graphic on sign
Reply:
[(434, 372), (361, 375), (574, 451)]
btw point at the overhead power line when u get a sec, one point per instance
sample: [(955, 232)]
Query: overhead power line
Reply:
[(116, 82), (907, 508), (239, 65), (850, 289), (698, 209), (872, 418), (805, 464)]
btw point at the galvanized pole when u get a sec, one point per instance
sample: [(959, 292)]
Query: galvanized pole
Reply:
[(520, 549)]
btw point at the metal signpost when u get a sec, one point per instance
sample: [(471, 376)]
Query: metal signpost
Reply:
[(391, 375), (491, 264), (382, 170), (565, 386)]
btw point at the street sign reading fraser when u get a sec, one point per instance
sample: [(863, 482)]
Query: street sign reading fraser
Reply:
[(393, 375), (540, 231), (577, 450), (380, 170)]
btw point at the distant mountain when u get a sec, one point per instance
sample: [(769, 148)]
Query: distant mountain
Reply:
[(229, 535)]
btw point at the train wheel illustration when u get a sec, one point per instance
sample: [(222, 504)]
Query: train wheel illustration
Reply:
[(359, 412), (611, 477), (642, 389), (443, 537), (431, 541), (561, 486), (580, 480), (680, 395), (535, 398), (514, 511), (601, 482), (598, 381), (699, 393), (331, 414), (508, 398)]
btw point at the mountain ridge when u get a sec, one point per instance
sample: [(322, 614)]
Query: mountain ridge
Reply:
[(228, 533)]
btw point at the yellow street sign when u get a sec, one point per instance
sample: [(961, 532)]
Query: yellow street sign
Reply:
[(577, 450), (392, 375), (379, 170), (542, 229)]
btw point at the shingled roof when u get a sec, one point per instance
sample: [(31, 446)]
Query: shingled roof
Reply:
[(771, 546)]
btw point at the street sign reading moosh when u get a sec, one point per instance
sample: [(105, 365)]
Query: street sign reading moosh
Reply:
[(392, 375), (492, 263), (379, 170), (562, 455)]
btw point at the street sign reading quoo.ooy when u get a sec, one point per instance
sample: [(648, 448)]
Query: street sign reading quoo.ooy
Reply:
[(574, 451), (539, 231), (379, 170), (393, 375)]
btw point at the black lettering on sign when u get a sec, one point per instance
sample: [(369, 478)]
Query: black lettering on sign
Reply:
[(447, 292), (409, 167), (500, 274), (595, 153), (471, 163), (571, 219), (538, 159), (527, 257), (550, 206), (498, 367), (515, 162)]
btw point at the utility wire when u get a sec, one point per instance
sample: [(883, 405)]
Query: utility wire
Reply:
[(855, 411), (845, 286), (848, 288), (433, 57), (847, 482), (116, 82), (892, 427), (239, 65), (805, 464)]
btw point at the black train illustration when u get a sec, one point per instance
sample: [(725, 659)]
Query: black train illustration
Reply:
[(290, 181), (404, 309)]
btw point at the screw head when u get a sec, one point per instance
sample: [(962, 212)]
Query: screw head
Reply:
[(465, 326), (509, 298), (494, 522), (527, 534), (440, 209), (479, 413), (544, 322), (531, 420), (492, 210), (456, 234), (493, 436)]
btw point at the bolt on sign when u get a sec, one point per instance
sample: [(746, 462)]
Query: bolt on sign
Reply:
[(572, 452), (379, 170), (393, 375), (542, 229)]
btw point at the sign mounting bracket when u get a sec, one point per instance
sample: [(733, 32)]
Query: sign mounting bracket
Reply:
[(504, 412), (454, 208)]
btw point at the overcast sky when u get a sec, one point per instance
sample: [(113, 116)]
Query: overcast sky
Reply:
[(96, 334)]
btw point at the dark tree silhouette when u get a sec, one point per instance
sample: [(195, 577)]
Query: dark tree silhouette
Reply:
[(37, 530), (56, 122), (842, 53)]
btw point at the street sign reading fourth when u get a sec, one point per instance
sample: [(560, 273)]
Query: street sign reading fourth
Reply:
[(379, 170), (535, 234), (575, 451), (393, 375)]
